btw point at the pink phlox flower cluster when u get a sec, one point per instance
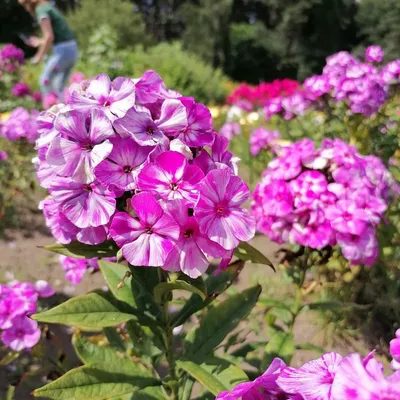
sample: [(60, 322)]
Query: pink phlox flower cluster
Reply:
[(126, 160), (11, 58), (76, 268), (230, 129), (324, 197), (361, 85), (3, 155), (330, 377), (21, 89), (395, 351), (374, 54), (262, 139), (21, 124), (18, 300)]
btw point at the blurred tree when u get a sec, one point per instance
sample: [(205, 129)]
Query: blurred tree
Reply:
[(119, 15), (379, 23)]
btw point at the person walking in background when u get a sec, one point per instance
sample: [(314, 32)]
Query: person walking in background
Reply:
[(57, 34)]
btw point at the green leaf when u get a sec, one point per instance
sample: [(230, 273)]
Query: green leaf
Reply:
[(227, 373), (164, 288), (91, 383), (88, 312), (80, 250), (280, 345), (145, 344), (208, 380), (219, 321), (114, 274), (114, 338), (215, 285), (185, 388), (333, 306), (106, 357), (144, 280), (247, 252), (272, 303), (310, 347)]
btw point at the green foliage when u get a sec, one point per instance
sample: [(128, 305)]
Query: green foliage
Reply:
[(120, 16), (128, 369), (182, 71), (378, 23)]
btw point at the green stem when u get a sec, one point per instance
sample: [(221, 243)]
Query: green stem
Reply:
[(168, 339)]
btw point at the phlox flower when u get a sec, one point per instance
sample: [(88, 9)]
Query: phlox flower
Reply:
[(193, 250), (395, 351), (218, 210), (123, 164), (21, 89), (374, 54), (138, 123), (147, 239), (85, 205), (355, 381), (115, 98), (347, 217), (23, 334), (171, 177), (78, 149), (261, 139), (313, 380)]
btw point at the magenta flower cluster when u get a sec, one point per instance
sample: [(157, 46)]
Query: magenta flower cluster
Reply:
[(21, 89), (18, 300), (76, 268), (126, 160), (324, 197), (21, 124), (330, 377), (11, 58), (363, 86), (262, 139)]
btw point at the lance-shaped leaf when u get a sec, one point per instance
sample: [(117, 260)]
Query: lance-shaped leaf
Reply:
[(119, 280), (219, 321), (247, 252), (164, 288), (88, 312), (205, 378), (280, 345), (215, 285), (80, 250), (91, 383)]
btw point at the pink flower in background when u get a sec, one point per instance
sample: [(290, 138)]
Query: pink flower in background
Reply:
[(334, 196), (219, 211), (24, 334), (374, 54), (17, 301), (77, 77), (193, 250), (395, 351), (37, 97), (50, 100), (313, 380), (262, 139), (171, 177), (11, 58), (347, 217), (147, 240), (80, 146), (122, 166), (3, 155), (115, 97), (21, 124), (21, 89), (229, 130)]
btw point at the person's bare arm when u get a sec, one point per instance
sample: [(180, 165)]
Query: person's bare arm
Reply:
[(47, 41)]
